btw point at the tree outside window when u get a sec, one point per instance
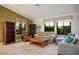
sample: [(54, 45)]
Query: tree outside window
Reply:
[(63, 27)]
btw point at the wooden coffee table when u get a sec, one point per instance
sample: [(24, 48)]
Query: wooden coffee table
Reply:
[(43, 42)]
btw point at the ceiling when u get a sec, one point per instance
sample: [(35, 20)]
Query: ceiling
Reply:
[(44, 10)]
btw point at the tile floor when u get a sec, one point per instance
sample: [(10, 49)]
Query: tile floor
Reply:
[(25, 48)]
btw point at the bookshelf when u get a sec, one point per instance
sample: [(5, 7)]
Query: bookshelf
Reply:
[(9, 32), (32, 29)]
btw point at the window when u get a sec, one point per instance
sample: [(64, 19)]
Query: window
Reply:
[(64, 27), (24, 26), (49, 26), (20, 27), (17, 25)]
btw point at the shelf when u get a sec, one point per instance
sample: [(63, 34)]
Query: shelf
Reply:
[(9, 32)]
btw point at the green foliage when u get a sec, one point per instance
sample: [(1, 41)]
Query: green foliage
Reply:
[(49, 28), (64, 30)]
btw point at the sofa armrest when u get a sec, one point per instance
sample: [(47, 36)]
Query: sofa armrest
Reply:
[(68, 49)]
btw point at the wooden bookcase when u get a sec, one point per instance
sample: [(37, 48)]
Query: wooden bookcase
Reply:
[(9, 32), (32, 29)]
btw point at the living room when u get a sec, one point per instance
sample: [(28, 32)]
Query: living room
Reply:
[(49, 25)]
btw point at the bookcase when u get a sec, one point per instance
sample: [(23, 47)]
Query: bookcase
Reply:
[(32, 29), (9, 32)]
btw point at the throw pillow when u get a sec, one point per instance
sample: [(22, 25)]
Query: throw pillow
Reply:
[(70, 34), (69, 38), (77, 36)]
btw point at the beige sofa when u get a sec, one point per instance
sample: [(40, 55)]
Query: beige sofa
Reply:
[(46, 35)]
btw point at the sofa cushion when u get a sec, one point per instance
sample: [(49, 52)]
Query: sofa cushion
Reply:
[(77, 36), (74, 41), (70, 35), (68, 40), (59, 39)]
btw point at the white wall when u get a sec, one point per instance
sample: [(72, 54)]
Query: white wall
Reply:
[(75, 21), (75, 24), (39, 22)]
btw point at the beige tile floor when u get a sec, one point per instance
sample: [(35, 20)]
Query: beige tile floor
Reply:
[(24, 48)]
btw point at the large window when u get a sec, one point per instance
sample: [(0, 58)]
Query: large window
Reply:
[(49, 26), (63, 27)]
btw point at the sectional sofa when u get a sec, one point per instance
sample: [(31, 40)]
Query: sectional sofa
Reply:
[(69, 48)]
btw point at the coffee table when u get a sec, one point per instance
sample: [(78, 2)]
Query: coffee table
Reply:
[(43, 42)]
